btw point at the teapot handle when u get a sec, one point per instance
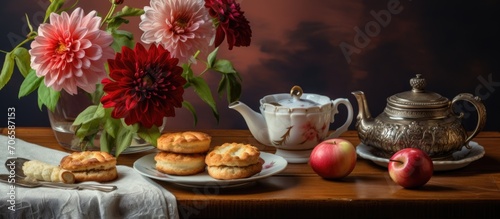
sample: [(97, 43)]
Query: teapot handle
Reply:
[(345, 126), (481, 113)]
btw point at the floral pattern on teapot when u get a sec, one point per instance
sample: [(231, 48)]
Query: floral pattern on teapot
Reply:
[(309, 132)]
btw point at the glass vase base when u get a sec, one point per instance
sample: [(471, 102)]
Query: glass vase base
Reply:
[(67, 139)]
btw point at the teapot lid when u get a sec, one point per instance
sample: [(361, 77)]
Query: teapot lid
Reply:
[(417, 98), (295, 101)]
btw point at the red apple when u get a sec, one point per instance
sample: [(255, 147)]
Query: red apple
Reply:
[(333, 158), (410, 167)]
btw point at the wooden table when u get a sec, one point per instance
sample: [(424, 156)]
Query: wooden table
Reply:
[(297, 192)]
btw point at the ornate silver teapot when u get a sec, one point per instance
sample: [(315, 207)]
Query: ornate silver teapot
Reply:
[(418, 119)]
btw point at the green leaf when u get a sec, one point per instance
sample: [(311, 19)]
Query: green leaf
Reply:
[(22, 57), (123, 140), (88, 130), (30, 84), (96, 96), (105, 142), (129, 11), (187, 72), (111, 126), (223, 85), (203, 90), (232, 85), (54, 6), (91, 113), (150, 135), (224, 66), (7, 69), (191, 109), (211, 58), (122, 38), (116, 21), (88, 123), (48, 97)]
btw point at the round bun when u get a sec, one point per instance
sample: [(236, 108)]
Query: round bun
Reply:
[(90, 166), (229, 172), (180, 164), (96, 175), (233, 154), (233, 161), (184, 142)]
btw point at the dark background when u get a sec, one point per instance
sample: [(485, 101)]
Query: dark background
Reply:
[(454, 45)]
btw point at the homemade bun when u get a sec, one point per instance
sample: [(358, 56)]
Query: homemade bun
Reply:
[(233, 161), (180, 164), (233, 154), (184, 142), (97, 166), (235, 172)]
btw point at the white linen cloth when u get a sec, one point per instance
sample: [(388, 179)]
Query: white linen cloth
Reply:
[(135, 197)]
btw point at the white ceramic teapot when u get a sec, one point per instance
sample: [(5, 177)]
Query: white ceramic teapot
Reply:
[(294, 123)]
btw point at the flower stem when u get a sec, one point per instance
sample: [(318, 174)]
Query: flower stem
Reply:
[(203, 72), (31, 36), (110, 13)]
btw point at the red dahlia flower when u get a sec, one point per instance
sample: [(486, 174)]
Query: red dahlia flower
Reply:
[(232, 23), (145, 86)]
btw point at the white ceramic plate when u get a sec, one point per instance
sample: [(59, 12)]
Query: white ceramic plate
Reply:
[(460, 159), (273, 164)]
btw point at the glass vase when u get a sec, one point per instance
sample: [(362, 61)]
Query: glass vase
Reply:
[(67, 109)]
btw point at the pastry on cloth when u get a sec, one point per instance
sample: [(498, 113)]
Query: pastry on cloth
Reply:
[(233, 161), (184, 142), (97, 166), (38, 170), (180, 164)]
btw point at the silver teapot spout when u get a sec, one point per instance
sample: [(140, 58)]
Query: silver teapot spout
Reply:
[(364, 118), (255, 122)]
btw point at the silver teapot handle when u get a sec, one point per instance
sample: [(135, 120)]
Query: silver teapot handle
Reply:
[(481, 113), (345, 126)]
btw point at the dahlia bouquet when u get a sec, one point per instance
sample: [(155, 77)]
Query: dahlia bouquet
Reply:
[(134, 86)]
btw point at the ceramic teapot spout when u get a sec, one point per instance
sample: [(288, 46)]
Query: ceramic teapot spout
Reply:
[(255, 122), (364, 116)]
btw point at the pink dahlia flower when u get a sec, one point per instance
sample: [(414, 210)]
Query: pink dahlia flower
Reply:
[(71, 51), (182, 26)]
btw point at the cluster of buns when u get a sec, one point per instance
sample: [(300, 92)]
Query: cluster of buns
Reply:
[(77, 167), (182, 153), (233, 161), (97, 166), (185, 153)]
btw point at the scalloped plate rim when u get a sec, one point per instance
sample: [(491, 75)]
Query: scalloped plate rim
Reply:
[(475, 153)]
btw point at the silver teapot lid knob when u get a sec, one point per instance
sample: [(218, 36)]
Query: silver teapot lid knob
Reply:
[(418, 83)]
